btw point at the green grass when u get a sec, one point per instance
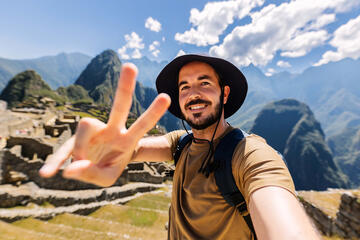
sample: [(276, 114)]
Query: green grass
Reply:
[(13, 232), (61, 108), (82, 114), (62, 230), (151, 201), (142, 218)]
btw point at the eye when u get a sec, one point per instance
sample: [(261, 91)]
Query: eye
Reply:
[(184, 88), (205, 83)]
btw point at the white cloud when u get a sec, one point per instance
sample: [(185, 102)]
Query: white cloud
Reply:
[(293, 29), (153, 48), (123, 54), (211, 22), (155, 53), (346, 41), (283, 64), (322, 21), (270, 72), (152, 24), (154, 45), (304, 43), (180, 53), (136, 53), (163, 39), (133, 43)]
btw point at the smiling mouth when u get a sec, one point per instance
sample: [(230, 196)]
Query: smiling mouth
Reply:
[(197, 107)]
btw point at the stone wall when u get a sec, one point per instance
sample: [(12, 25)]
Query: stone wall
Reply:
[(55, 130), (11, 161), (72, 123), (144, 176), (347, 222), (135, 166), (25, 124), (37, 111), (345, 225), (31, 146)]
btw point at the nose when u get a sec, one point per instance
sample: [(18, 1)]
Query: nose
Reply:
[(194, 92)]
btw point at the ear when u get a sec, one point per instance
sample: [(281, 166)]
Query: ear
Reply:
[(226, 93)]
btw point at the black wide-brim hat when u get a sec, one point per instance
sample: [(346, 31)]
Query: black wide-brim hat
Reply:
[(167, 81)]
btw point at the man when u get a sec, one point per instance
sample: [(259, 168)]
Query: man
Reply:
[(203, 91)]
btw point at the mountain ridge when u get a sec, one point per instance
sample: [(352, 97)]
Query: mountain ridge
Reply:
[(290, 127)]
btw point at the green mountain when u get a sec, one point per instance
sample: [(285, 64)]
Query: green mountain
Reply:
[(100, 79), (290, 127), (60, 70), (74, 93), (345, 147), (26, 86)]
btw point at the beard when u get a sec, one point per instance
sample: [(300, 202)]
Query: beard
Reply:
[(205, 123)]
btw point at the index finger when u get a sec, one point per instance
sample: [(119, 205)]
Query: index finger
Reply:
[(123, 96)]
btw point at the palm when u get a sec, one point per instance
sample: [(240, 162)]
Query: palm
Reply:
[(102, 151)]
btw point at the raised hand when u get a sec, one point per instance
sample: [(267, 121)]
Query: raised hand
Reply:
[(102, 151)]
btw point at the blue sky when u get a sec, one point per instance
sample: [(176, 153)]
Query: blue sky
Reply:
[(273, 35)]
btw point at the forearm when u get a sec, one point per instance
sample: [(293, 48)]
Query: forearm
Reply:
[(277, 214), (152, 149)]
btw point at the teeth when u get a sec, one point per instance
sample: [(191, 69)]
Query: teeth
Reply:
[(196, 107)]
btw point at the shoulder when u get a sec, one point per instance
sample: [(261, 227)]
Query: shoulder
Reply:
[(254, 148), (256, 164), (173, 138)]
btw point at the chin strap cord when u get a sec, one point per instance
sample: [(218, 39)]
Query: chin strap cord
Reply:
[(207, 165)]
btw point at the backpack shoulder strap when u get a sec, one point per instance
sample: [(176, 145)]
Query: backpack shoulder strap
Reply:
[(183, 141), (224, 177)]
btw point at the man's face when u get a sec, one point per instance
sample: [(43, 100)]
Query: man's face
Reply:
[(199, 94)]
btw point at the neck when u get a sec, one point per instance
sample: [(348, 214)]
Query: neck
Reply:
[(208, 132)]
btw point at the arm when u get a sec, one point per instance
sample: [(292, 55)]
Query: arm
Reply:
[(277, 214), (156, 149)]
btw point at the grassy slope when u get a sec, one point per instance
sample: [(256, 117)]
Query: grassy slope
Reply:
[(142, 218)]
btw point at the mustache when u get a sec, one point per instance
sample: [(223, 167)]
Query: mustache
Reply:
[(197, 101)]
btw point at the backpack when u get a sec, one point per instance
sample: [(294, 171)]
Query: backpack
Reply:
[(223, 175)]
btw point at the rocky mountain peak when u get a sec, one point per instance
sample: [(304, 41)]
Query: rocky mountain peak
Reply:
[(100, 77), (290, 127)]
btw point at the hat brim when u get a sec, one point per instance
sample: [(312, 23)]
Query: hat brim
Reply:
[(167, 82)]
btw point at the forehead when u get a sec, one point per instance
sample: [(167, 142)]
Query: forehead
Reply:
[(194, 68)]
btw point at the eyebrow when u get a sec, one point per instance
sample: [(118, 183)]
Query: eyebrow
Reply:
[(202, 77)]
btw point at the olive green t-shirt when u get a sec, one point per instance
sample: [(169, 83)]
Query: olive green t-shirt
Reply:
[(198, 210)]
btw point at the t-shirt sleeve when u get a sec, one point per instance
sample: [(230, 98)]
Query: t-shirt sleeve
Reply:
[(256, 165), (173, 138)]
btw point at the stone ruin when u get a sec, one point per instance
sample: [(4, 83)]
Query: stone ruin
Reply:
[(26, 144), (346, 224), (23, 156)]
